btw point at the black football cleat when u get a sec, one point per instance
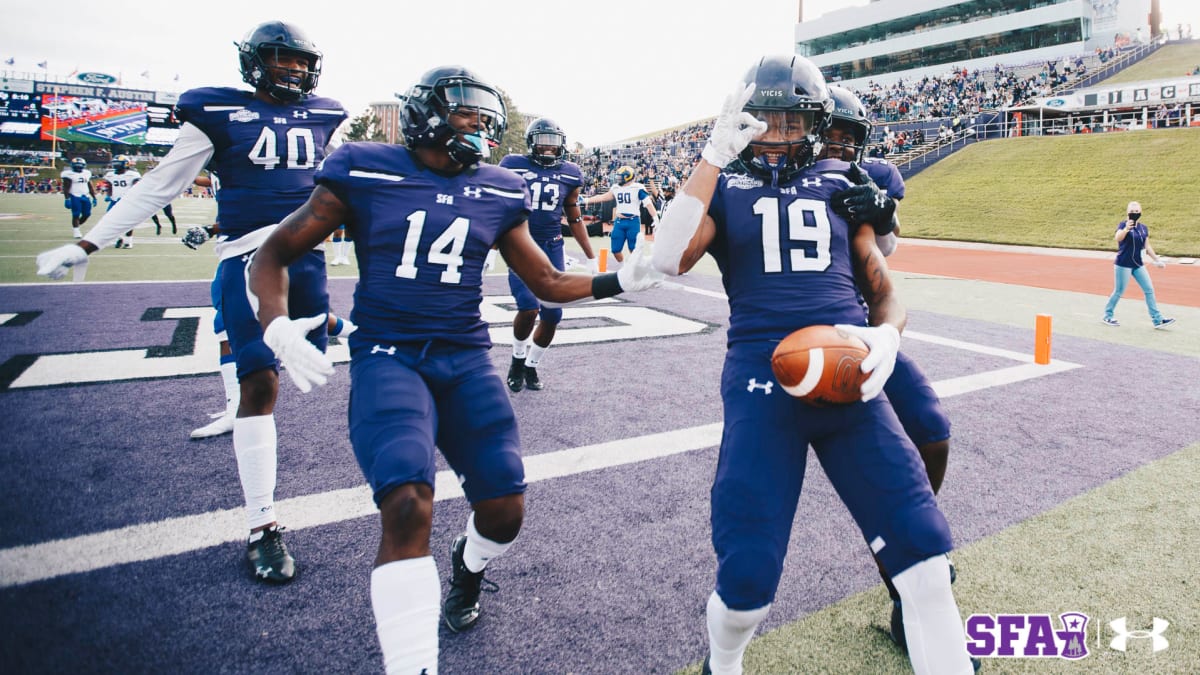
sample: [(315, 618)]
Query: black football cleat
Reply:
[(897, 632), (531, 380), (706, 669), (461, 607), (269, 557), (516, 374)]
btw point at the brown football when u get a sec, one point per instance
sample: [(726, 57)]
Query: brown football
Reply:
[(821, 365)]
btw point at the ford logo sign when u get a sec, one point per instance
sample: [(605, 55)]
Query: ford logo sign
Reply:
[(96, 78), (1056, 103)]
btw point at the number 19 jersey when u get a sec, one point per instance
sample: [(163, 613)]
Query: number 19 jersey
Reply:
[(783, 253), (421, 239)]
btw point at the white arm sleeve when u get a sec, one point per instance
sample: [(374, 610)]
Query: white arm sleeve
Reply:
[(675, 230), (886, 243), (157, 188)]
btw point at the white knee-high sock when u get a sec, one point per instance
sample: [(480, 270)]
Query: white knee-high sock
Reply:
[(254, 443), (729, 633), (233, 390), (933, 628), (479, 549), (535, 355), (405, 596), (519, 347)]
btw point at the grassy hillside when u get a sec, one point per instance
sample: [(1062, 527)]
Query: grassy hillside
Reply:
[(1170, 61), (1066, 191)]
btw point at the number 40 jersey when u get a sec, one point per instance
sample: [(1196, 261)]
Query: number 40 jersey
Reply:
[(265, 153)]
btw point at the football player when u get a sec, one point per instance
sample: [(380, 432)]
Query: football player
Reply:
[(789, 259), (266, 145), (79, 195), (424, 216), (628, 197), (120, 178), (912, 396), (554, 185), (169, 212)]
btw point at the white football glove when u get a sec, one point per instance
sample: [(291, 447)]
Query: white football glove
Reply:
[(55, 262), (305, 364), (638, 273), (489, 263), (593, 266), (1159, 264), (883, 343), (733, 130)]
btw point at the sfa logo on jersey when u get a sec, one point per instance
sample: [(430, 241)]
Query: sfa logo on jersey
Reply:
[(1027, 636)]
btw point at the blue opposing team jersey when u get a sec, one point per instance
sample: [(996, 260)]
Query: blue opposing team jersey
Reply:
[(784, 254), (266, 154), (548, 189), (886, 176), (421, 239)]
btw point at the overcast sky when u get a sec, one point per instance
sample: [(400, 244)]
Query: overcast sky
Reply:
[(605, 70)]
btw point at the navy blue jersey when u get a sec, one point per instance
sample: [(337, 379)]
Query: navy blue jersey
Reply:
[(548, 189), (886, 176), (421, 239), (1129, 250), (784, 254), (265, 153)]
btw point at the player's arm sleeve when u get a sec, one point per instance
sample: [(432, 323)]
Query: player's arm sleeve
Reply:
[(157, 188)]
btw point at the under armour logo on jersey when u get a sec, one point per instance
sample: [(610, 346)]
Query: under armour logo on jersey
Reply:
[(300, 114), (1121, 641), (766, 386), (811, 182), (472, 192), (378, 349)]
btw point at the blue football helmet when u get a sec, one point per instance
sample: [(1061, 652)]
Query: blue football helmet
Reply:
[(625, 175), (78, 164), (850, 116), (120, 163), (544, 133), (441, 92), (790, 93), (264, 43)]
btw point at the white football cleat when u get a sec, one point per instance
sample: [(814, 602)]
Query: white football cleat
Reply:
[(221, 425)]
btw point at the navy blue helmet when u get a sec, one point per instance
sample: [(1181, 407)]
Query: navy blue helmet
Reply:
[(791, 97), (850, 116), (263, 44), (428, 105), (545, 133)]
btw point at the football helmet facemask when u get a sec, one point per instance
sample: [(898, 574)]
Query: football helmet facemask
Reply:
[(442, 93), (261, 50), (547, 142), (850, 116), (791, 97)]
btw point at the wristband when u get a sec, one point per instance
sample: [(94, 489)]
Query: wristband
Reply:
[(605, 285)]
